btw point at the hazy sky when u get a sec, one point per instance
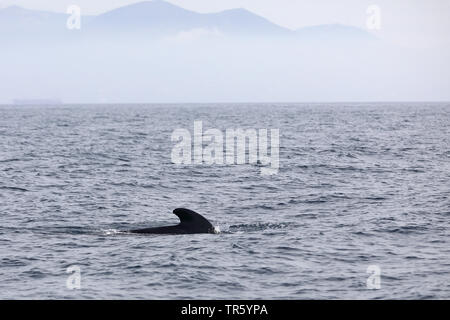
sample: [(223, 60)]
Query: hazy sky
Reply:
[(410, 64), (416, 23)]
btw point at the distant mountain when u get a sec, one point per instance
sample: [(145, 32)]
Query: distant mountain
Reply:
[(15, 19), (149, 16), (162, 19), (242, 21), (19, 24)]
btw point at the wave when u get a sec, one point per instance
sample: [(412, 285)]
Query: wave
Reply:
[(15, 189)]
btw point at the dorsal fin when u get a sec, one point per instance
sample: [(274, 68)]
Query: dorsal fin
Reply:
[(193, 219), (186, 215)]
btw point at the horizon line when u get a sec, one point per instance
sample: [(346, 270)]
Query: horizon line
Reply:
[(226, 102)]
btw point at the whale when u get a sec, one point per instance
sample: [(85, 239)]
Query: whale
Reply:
[(190, 222)]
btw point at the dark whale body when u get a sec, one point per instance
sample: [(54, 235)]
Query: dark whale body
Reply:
[(190, 222)]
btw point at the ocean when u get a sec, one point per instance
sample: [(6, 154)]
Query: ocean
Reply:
[(359, 207)]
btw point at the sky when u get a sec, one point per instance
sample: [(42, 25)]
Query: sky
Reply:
[(410, 63), (414, 23)]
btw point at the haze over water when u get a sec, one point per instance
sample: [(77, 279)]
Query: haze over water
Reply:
[(358, 185)]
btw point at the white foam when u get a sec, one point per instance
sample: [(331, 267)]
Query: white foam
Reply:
[(110, 232)]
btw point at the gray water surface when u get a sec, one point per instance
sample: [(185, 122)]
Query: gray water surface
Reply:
[(359, 185)]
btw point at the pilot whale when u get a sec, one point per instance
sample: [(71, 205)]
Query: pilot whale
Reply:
[(190, 222)]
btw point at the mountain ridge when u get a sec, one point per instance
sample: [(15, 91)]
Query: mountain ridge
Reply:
[(162, 17)]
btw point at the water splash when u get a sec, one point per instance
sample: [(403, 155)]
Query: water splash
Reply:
[(111, 232)]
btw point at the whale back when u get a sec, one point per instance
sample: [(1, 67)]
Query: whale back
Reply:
[(190, 222)]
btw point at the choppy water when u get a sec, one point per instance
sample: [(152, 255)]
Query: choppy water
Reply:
[(359, 185)]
